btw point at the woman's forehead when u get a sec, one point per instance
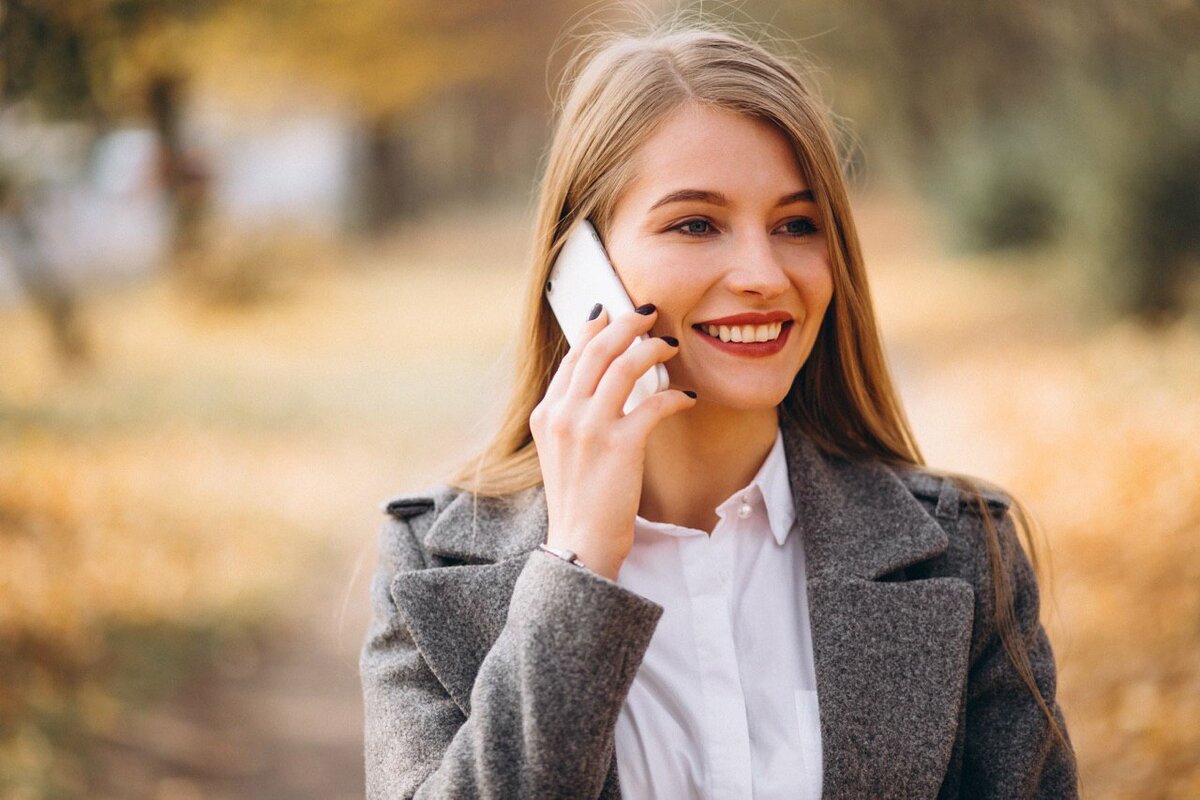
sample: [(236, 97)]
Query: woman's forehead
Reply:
[(702, 149)]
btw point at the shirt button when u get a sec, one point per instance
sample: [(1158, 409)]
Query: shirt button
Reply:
[(745, 510)]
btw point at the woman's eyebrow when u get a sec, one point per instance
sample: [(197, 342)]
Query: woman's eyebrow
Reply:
[(718, 199), (802, 196)]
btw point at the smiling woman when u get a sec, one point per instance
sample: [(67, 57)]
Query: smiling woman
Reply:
[(750, 585), (744, 248)]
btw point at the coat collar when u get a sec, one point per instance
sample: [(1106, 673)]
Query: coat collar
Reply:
[(857, 518)]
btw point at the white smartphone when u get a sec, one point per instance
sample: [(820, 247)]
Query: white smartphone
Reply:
[(583, 276)]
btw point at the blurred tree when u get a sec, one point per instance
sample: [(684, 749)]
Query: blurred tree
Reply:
[(54, 301), (479, 64), (45, 58), (1030, 122), (95, 62), (102, 61)]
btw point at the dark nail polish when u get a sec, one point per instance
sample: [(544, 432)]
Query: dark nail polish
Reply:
[(671, 340), (690, 393), (595, 312), (646, 310)]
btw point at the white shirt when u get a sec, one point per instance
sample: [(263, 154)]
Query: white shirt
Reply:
[(724, 704)]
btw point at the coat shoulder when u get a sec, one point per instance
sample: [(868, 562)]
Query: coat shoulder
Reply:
[(452, 522), (949, 500), (948, 494), (419, 509)]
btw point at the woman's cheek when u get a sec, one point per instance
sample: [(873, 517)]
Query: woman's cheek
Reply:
[(648, 278)]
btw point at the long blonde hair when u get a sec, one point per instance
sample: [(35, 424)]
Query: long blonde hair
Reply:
[(843, 397)]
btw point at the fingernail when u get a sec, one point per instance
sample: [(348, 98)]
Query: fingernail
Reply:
[(595, 312), (690, 393), (646, 310), (671, 340)]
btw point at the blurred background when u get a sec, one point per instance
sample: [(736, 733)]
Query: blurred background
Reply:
[(258, 271)]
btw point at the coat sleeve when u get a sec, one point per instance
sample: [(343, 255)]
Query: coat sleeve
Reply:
[(1010, 750), (545, 700)]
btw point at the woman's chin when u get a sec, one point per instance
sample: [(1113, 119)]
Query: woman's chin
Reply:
[(741, 398)]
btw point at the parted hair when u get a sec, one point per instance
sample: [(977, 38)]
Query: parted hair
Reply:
[(618, 88)]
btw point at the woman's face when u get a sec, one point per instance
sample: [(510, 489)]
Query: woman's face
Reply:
[(717, 223)]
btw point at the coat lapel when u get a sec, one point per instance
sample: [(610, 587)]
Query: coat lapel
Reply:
[(493, 537), (890, 655)]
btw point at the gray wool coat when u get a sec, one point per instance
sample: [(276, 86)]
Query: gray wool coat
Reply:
[(492, 669)]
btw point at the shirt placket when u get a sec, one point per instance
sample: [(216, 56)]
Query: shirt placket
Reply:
[(708, 572)]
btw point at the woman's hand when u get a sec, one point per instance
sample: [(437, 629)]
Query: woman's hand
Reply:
[(591, 454)]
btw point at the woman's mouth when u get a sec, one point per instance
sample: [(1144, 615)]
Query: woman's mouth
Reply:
[(743, 333), (747, 340)]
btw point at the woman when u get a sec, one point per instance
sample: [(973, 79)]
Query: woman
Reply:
[(751, 587)]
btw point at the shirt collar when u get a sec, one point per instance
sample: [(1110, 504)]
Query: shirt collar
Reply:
[(771, 488)]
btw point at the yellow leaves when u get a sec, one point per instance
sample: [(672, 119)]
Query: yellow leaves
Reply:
[(377, 58), (212, 454), (112, 530)]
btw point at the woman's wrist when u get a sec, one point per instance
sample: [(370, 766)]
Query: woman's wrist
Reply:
[(565, 553), (593, 562)]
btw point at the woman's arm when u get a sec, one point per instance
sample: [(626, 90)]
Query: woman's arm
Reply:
[(547, 694), (545, 700), (1011, 751)]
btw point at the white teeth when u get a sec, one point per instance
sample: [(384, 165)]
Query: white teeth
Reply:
[(745, 333)]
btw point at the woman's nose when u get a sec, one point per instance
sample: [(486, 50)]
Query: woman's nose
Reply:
[(757, 269)]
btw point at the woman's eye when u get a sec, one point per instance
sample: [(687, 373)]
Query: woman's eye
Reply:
[(801, 226), (693, 227)]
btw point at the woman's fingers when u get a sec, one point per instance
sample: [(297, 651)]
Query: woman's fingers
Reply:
[(591, 471), (627, 368), (653, 410), (604, 347), (566, 368)]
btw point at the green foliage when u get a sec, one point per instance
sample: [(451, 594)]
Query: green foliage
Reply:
[(48, 56)]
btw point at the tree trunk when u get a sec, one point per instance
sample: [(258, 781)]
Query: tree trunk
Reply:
[(388, 181), (51, 298), (185, 177)]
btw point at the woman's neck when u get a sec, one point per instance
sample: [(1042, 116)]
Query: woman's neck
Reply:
[(697, 459)]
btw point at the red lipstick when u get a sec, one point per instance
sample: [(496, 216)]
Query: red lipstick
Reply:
[(751, 349)]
